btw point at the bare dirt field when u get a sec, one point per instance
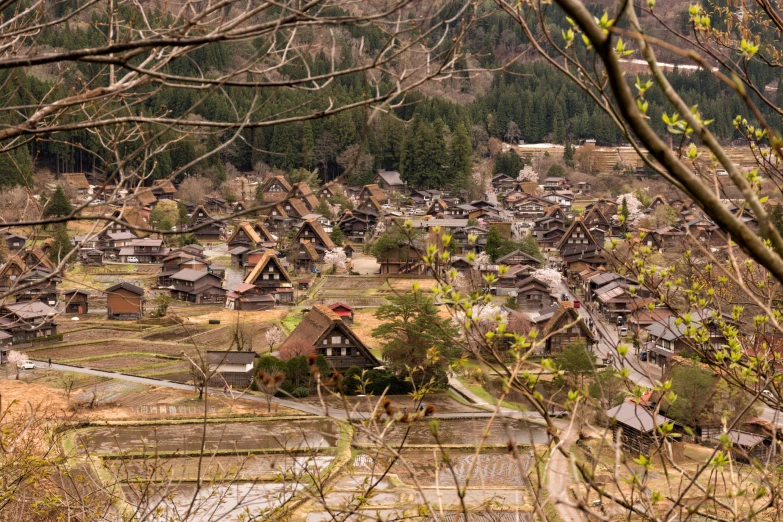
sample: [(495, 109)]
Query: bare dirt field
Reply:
[(95, 334), (230, 316), (492, 469)]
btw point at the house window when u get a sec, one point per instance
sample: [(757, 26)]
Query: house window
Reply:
[(328, 351), (326, 341), (266, 276), (337, 340), (277, 276)]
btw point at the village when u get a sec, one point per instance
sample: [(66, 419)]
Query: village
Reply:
[(145, 316)]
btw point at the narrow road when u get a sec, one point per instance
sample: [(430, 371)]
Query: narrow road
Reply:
[(608, 341)]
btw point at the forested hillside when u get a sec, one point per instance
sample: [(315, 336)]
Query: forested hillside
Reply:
[(429, 138)]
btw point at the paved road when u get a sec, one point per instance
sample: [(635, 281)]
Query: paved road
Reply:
[(608, 341)]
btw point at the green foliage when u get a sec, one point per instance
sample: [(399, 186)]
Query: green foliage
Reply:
[(58, 204), (411, 327), (494, 243), (61, 246), (511, 303), (508, 163), (609, 388), (556, 171), (460, 157), (161, 304), (337, 236), (576, 361), (392, 241), (498, 246), (568, 154), (693, 387)]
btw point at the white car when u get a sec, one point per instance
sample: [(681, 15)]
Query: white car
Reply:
[(133, 259), (27, 365)]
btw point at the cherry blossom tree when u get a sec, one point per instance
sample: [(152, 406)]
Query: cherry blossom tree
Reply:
[(528, 174), (336, 257), (635, 206), (17, 359), (551, 277), (273, 336)]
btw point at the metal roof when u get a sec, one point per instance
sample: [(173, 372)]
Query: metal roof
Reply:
[(637, 417)]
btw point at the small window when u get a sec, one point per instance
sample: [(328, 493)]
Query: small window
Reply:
[(337, 340), (326, 341), (266, 276)]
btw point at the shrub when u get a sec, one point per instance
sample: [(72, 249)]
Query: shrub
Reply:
[(301, 392), (351, 380)]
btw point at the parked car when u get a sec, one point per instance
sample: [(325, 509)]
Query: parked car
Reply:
[(27, 365), (577, 304), (643, 356), (133, 259), (623, 331), (620, 320)]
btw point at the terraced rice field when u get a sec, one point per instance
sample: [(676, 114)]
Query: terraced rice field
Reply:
[(239, 436)]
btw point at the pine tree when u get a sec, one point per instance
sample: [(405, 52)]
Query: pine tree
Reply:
[(558, 127), (460, 157), (61, 246), (494, 242), (568, 154), (58, 204), (337, 236)]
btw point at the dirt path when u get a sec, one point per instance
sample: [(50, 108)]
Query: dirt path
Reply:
[(559, 478)]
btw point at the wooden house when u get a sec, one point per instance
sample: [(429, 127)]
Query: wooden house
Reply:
[(517, 257), (303, 191), (125, 301), (14, 242), (270, 275), (248, 297), (216, 205), (583, 187), (37, 284), (554, 183), (77, 182), (437, 207), (177, 261), (76, 302), (669, 337), (312, 232), (330, 190), (578, 234), (295, 208), (637, 428), (163, 189), (276, 188), (242, 240), (390, 181), (331, 337), (595, 217), (533, 295), (145, 251), (34, 257), (343, 310), (567, 327), (145, 198), (11, 270), (356, 225), (374, 191), (197, 286), (529, 207), (203, 227), (227, 368), (27, 321)]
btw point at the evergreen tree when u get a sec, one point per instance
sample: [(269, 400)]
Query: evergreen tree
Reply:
[(61, 246), (494, 243), (391, 138), (558, 127), (337, 236), (460, 157), (568, 154), (58, 204), (529, 246), (508, 163)]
